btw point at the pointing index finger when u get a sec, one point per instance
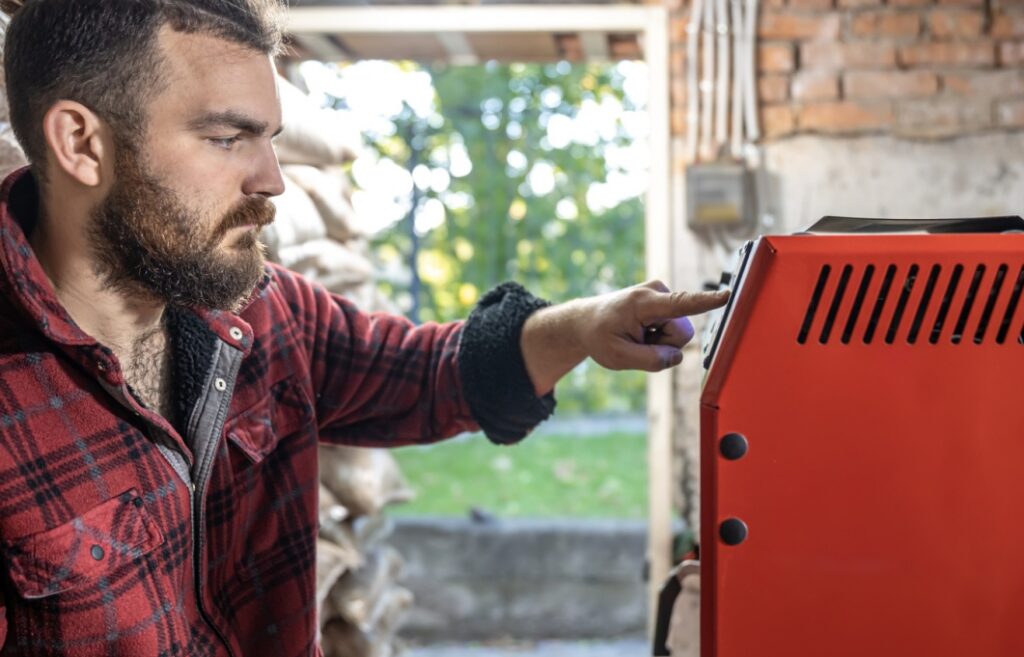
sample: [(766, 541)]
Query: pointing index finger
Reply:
[(680, 304)]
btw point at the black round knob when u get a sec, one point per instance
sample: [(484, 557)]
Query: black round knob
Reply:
[(733, 446), (733, 531)]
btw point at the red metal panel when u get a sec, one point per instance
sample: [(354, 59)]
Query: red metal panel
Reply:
[(882, 487)]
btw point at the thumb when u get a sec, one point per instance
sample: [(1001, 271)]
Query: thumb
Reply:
[(649, 357), (662, 306)]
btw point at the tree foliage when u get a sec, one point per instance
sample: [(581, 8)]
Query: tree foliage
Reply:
[(525, 208)]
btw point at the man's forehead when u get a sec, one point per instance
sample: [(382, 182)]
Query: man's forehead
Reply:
[(207, 75)]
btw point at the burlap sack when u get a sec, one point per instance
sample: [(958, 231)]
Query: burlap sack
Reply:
[(363, 480), (328, 262), (340, 639), (332, 561), (11, 156), (391, 611), (313, 135), (359, 596), (329, 194), (297, 220), (370, 532)]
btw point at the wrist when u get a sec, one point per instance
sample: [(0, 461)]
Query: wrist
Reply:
[(553, 342)]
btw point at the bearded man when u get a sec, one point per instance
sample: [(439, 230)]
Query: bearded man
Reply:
[(163, 390)]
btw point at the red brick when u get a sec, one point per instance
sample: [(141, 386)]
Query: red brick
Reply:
[(677, 62), (859, 3), (815, 85), (962, 3), (775, 57), (847, 55), (624, 47), (956, 23), (1011, 53), (811, 4), (985, 83), (678, 121), (777, 121), (787, 26), (845, 117), (1010, 113), (889, 84), (886, 23), (677, 28), (977, 53), (939, 118), (677, 89), (1006, 26), (911, 3), (773, 88)]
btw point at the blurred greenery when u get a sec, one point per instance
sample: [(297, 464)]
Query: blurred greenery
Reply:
[(496, 225), (601, 476)]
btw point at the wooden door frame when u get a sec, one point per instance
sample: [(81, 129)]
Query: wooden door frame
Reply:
[(651, 24)]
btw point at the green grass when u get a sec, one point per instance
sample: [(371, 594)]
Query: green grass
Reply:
[(602, 476)]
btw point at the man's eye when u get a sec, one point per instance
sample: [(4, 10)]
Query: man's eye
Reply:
[(223, 142)]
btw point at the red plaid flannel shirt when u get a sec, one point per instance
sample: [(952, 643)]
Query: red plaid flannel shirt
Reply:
[(107, 549)]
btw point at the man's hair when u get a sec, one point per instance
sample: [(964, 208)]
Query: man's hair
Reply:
[(104, 54)]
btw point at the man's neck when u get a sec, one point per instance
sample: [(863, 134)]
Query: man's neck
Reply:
[(114, 318)]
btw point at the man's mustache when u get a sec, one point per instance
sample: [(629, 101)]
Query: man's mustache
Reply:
[(256, 211)]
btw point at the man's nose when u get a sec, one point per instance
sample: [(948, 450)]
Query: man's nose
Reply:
[(267, 179)]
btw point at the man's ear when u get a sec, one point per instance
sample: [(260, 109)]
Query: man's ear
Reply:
[(74, 135)]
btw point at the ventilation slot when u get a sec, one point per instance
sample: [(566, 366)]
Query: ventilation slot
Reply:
[(883, 295), (901, 305), (990, 305), (830, 319), (947, 299), (858, 303), (1011, 309), (922, 308), (965, 312), (812, 309)]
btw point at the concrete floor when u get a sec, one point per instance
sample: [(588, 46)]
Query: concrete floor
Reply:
[(612, 648)]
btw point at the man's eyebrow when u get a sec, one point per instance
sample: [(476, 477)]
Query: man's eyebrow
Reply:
[(232, 119)]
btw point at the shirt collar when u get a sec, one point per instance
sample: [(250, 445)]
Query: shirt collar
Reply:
[(23, 280)]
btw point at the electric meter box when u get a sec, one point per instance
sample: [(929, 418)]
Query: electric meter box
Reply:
[(719, 194)]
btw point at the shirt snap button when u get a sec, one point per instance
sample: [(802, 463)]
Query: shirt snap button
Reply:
[(220, 384), (236, 333), (96, 552)]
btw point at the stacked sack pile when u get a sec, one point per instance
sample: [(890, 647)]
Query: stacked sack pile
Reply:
[(316, 233), (11, 156)]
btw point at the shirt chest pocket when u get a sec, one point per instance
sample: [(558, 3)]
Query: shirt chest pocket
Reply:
[(99, 543), (281, 413)]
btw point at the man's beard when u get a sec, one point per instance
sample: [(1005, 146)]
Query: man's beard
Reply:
[(150, 244)]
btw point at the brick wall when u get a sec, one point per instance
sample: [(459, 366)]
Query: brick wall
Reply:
[(911, 68)]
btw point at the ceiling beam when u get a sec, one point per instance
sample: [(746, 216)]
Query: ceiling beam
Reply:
[(470, 19), (322, 46)]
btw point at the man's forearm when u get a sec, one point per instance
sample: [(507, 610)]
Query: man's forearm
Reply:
[(551, 344), (643, 327)]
